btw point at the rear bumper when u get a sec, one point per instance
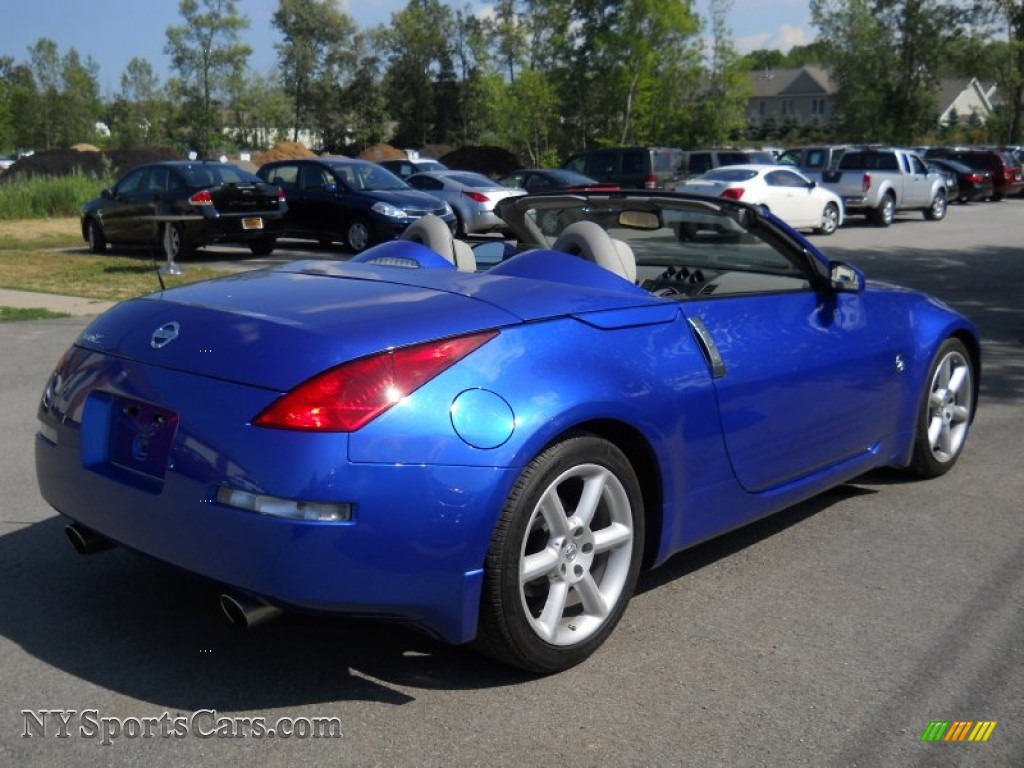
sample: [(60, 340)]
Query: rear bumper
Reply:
[(413, 549)]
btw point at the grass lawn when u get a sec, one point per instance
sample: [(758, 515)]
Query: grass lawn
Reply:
[(14, 314), (30, 261)]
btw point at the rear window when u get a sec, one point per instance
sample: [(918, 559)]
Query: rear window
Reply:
[(213, 174), (729, 174), (869, 161), (733, 158), (633, 163)]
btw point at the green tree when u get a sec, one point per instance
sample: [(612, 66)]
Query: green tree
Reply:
[(886, 57), (46, 72), (418, 47), (79, 104), (138, 114), (206, 54), (315, 55), (1008, 16)]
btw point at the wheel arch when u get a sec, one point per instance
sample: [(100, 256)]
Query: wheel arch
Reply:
[(641, 455)]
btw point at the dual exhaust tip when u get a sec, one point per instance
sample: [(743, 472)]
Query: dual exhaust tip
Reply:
[(245, 611)]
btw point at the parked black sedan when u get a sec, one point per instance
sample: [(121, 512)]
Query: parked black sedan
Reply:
[(973, 183), (354, 201), (184, 205)]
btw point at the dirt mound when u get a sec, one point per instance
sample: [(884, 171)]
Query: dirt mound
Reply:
[(435, 150), (64, 162), (379, 152), (285, 150), (85, 148), (490, 161)]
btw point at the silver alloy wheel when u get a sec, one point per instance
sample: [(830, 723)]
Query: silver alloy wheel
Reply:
[(574, 563), (950, 399), (172, 241), (829, 219), (358, 236), (888, 210), (938, 209)]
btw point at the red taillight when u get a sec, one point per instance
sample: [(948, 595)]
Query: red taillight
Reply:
[(476, 196), (865, 184), (280, 195), (733, 193), (650, 181), (347, 397), (974, 178), (202, 197)]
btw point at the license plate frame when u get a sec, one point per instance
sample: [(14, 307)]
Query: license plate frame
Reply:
[(252, 222)]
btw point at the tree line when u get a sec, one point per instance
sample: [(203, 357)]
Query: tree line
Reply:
[(539, 77)]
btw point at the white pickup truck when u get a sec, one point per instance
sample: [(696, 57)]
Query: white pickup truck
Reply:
[(878, 182)]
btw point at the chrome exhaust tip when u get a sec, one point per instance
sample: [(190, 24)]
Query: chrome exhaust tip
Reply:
[(247, 612), (84, 541)]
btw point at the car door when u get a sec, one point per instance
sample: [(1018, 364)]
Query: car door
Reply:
[(790, 199), (322, 192), (917, 189), (805, 379), (122, 208), (286, 176)]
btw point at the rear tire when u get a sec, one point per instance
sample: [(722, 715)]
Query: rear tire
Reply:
[(883, 215), (937, 210), (175, 242), (263, 247), (564, 558)]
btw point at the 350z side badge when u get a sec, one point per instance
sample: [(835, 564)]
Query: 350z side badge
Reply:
[(164, 335)]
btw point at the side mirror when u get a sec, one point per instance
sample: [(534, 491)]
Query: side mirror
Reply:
[(106, 194), (846, 279)]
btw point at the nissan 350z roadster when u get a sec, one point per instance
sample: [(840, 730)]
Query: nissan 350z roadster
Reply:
[(489, 440)]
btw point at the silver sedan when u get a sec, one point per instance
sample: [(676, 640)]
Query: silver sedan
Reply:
[(471, 195)]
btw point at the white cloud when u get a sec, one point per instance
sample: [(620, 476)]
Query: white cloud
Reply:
[(783, 38)]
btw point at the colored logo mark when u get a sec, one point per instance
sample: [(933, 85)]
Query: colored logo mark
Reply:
[(958, 730)]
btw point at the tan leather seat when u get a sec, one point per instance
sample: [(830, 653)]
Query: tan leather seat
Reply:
[(432, 232), (588, 241)]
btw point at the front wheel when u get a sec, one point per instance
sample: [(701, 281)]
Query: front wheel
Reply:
[(357, 237), (564, 558), (937, 210), (829, 220), (946, 411), (95, 237)]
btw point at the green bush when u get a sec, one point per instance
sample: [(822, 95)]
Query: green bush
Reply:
[(44, 197)]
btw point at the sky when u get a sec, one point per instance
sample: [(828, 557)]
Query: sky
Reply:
[(113, 32)]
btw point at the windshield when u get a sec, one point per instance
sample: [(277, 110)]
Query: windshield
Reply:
[(682, 245), (367, 177)]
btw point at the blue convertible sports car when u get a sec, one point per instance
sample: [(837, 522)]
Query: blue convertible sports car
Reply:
[(490, 442)]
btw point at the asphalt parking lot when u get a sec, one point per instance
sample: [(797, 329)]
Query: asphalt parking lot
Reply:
[(831, 634)]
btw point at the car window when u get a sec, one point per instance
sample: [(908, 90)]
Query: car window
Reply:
[(286, 176), (602, 165), (315, 176), (917, 165), (129, 185), (534, 181), (425, 182), (784, 179), (516, 179), (815, 158), (699, 162), (633, 163), (372, 178), (578, 163), (156, 180), (470, 179)]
